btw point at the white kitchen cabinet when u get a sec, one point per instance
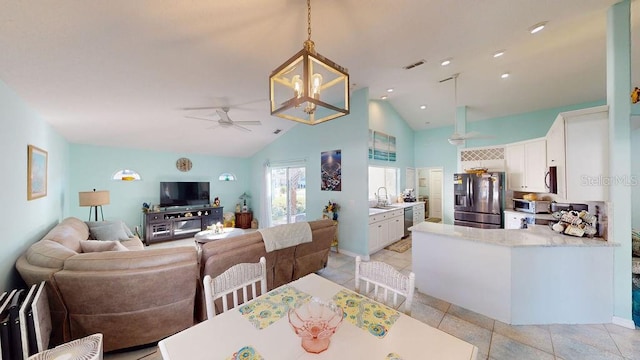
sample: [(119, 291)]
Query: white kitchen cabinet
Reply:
[(556, 154), (396, 227), (512, 219), (385, 228), (418, 213), (578, 143), (526, 165)]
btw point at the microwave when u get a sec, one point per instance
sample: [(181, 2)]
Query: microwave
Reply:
[(531, 206)]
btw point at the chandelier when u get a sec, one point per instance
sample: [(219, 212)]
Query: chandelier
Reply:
[(308, 87)]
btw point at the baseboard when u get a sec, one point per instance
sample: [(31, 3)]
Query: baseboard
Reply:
[(629, 324), (353, 255)]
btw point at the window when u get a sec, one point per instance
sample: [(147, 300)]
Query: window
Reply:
[(288, 195), (387, 177)]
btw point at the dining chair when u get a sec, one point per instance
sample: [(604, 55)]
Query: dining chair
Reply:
[(385, 278), (238, 277)]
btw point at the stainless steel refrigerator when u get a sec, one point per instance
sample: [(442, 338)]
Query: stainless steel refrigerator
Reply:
[(478, 200)]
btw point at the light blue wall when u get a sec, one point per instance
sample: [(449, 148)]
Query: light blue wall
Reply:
[(25, 222), (348, 134), (433, 150), (93, 166), (384, 118)]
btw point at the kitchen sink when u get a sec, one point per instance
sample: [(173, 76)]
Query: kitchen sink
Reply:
[(386, 207)]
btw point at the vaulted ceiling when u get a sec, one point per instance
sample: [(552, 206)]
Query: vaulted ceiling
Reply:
[(134, 73)]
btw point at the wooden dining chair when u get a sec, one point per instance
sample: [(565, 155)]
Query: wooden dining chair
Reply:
[(238, 277), (385, 278)]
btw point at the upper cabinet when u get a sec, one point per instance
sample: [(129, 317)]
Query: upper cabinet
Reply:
[(577, 144), (526, 165)]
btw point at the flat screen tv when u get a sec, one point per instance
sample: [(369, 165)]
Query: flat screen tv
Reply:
[(184, 193)]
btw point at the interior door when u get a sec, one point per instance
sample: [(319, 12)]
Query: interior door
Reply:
[(435, 193)]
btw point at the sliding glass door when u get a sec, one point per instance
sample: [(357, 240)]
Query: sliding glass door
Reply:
[(288, 195)]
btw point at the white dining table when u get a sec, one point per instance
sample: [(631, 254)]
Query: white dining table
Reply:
[(226, 333)]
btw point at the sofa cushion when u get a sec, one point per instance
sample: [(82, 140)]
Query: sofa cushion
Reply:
[(108, 230), (92, 224), (48, 254), (69, 233), (100, 246)]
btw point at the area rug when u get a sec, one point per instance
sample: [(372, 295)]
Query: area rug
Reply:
[(433, 220), (401, 245)]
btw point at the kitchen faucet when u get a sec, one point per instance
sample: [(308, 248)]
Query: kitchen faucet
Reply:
[(386, 196)]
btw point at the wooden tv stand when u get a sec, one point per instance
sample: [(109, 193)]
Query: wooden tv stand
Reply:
[(172, 224)]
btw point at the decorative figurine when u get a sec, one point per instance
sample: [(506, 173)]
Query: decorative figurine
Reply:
[(216, 202)]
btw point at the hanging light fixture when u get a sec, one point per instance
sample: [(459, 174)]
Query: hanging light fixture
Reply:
[(308, 87)]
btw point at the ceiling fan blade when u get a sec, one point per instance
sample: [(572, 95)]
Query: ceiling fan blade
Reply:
[(241, 127), (224, 116), (199, 118), (247, 122), (477, 135)]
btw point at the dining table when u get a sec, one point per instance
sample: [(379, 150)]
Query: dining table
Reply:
[(260, 329)]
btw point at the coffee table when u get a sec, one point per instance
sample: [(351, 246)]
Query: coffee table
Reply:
[(205, 236)]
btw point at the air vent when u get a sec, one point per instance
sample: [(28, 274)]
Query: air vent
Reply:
[(278, 131), (417, 63)]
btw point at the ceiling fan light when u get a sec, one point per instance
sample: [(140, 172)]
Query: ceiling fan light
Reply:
[(455, 139)]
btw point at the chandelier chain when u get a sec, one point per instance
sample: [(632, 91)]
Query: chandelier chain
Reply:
[(309, 19)]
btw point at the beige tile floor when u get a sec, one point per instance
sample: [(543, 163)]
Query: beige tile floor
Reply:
[(494, 339)]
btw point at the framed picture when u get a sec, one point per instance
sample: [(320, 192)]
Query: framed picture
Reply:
[(331, 170), (36, 172), (382, 146)]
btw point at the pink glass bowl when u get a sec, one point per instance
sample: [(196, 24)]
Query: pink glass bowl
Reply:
[(315, 322)]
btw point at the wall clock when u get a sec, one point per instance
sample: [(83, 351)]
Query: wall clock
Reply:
[(184, 164)]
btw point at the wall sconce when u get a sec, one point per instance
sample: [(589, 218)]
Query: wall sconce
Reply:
[(94, 199), (126, 175), (227, 177)]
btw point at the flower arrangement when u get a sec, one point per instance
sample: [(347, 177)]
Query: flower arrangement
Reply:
[(331, 207)]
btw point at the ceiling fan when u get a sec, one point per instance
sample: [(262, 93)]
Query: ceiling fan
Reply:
[(225, 120), (457, 138)]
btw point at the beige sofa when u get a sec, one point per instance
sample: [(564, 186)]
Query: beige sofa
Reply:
[(131, 297), (283, 265)]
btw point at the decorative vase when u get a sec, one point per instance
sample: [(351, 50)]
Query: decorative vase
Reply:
[(335, 216)]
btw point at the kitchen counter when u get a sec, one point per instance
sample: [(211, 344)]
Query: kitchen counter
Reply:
[(394, 206), (517, 276), (534, 235)]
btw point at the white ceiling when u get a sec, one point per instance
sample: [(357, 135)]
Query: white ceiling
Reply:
[(121, 73)]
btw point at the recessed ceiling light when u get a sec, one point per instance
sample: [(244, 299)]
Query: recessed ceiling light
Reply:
[(445, 62), (537, 27), (498, 53), (389, 90), (505, 75), (423, 107), (383, 97)]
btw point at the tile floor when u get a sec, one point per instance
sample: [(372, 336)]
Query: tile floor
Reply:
[(495, 340)]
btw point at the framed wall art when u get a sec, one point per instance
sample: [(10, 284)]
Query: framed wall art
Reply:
[(331, 170), (382, 146), (36, 172)]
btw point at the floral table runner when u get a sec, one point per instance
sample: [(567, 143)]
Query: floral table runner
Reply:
[(266, 310), (365, 313)]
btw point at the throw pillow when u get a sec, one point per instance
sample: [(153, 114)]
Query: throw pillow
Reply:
[(100, 246), (111, 231), (112, 225)]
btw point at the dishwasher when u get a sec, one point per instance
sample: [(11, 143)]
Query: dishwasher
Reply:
[(408, 220)]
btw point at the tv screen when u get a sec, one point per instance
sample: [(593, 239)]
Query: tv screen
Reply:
[(183, 193)]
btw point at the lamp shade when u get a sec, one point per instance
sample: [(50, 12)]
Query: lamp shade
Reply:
[(93, 198)]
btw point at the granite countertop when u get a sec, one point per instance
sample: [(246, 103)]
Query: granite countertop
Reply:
[(535, 235), (394, 206)]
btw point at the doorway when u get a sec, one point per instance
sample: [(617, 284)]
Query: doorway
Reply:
[(430, 190)]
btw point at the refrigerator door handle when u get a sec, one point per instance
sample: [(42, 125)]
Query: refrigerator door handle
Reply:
[(470, 191)]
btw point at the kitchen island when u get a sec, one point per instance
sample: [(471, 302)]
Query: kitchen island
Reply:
[(517, 276)]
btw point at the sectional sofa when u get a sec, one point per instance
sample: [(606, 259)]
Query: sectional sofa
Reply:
[(136, 295)]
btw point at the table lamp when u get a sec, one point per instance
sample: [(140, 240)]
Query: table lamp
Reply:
[(94, 199)]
